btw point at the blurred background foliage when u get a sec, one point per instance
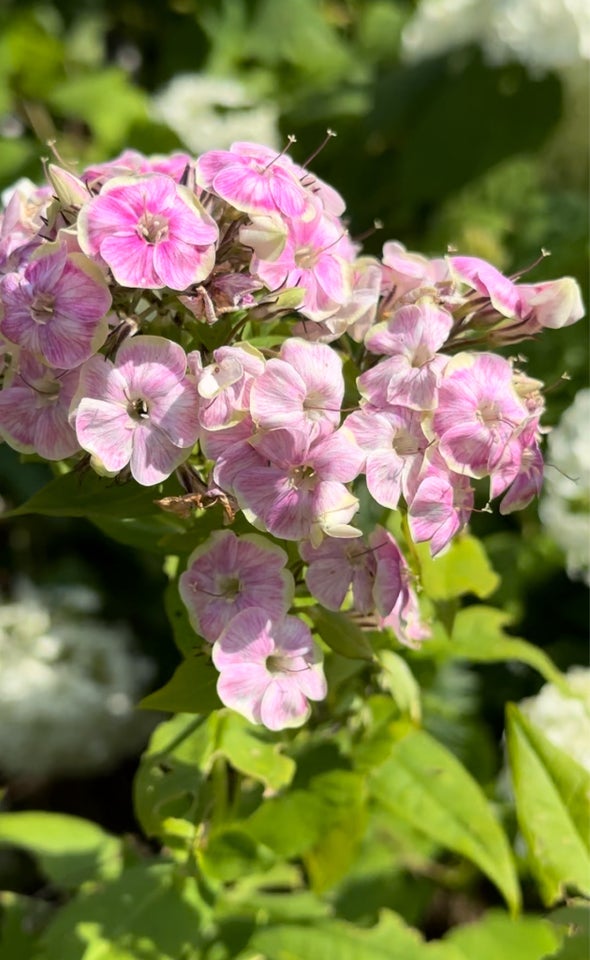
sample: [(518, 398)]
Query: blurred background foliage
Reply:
[(445, 150)]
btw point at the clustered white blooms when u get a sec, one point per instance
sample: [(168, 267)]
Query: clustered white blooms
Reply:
[(565, 721), (541, 34), (68, 686), (212, 112), (565, 507)]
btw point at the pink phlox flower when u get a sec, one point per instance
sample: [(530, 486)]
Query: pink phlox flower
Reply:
[(488, 282), (297, 491), (34, 407), (406, 621), (150, 231), (269, 670), (404, 618), (337, 565), (254, 179), (354, 317), (224, 386), (228, 574), (441, 505), (132, 162), (392, 577), (21, 224), (404, 271), (411, 339), (56, 308), (394, 445), (316, 258), (478, 413), (554, 304), (140, 410), (302, 389), (520, 472)]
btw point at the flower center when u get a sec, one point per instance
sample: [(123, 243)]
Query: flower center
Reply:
[(230, 587), (277, 664), (138, 409), (153, 227), (404, 443), (302, 477), (421, 356), (42, 307), (306, 257), (488, 414)]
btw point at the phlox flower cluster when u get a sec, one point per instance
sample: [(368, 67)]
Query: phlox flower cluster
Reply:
[(111, 281)]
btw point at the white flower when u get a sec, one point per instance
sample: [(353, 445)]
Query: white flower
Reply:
[(541, 34), (68, 686), (565, 721), (565, 506), (209, 112)]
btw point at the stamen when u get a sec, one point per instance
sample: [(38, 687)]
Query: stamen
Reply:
[(377, 225), (290, 141), (544, 253), (329, 135)]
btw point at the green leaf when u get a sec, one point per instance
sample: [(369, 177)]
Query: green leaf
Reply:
[(343, 795), (391, 939), (253, 751), (552, 794), (478, 635), (231, 853), (498, 935), (401, 683), (425, 785), (289, 824), (20, 919), (172, 771), (575, 921), (464, 568), (148, 912), (88, 495), (184, 634), (69, 850), (339, 633), (191, 689)]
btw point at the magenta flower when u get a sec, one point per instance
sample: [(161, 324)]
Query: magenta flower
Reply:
[(317, 259), (303, 389), (133, 162), (140, 410), (228, 574), (56, 308), (151, 232), (478, 413), (254, 179), (269, 670), (34, 408)]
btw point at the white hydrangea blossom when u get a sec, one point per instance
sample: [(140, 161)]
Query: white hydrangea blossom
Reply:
[(209, 112), (565, 506), (541, 34), (565, 721), (68, 686)]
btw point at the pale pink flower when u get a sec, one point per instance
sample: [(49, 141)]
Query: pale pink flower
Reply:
[(487, 281), (404, 272), (269, 670), (21, 223), (297, 490), (441, 506), (394, 446), (224, 386), (34, 408), (478, 413), (254, 179), (317, 259), (56, 308), (302, 389), (228, 574), (337, 565), (150, 231), (133, 162), (554, 304), (140, 410)]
